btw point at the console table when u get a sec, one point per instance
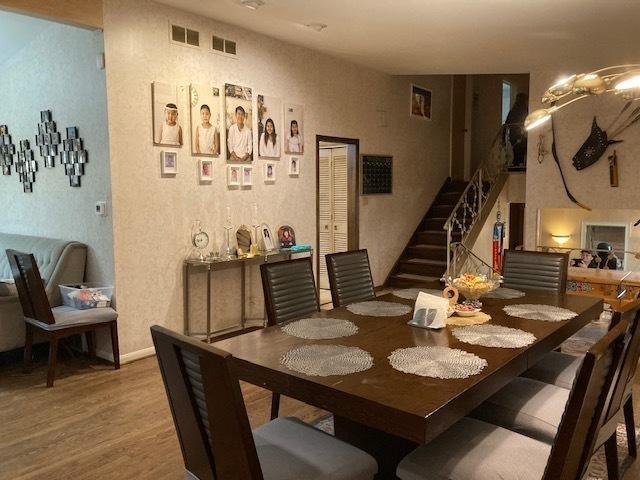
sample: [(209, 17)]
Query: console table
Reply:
[(209, 266), (620, 289)]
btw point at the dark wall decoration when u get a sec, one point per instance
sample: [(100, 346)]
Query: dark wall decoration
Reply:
[(26, 166), (48, 139), (377, 174), (73, 156), (7, 150)]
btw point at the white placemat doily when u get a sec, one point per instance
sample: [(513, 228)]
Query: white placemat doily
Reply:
[(320, 328), (547, 313), (379, 309), (326, 360), (494, 336), (437, 362)]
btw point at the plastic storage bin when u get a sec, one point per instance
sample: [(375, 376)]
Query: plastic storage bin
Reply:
[(86, 295)]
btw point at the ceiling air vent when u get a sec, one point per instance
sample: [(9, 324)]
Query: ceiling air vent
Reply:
[(184, 36)]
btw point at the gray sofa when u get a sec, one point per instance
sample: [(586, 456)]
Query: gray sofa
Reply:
[(59, 261)]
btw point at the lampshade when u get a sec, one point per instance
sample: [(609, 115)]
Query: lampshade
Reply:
[(560, 239), (590, 83), (629, 81), (537, 118), (562, 86)]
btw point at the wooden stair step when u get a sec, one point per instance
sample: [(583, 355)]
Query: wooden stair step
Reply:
[(435, 237), (433, 252), (409, 280), (422, 266)]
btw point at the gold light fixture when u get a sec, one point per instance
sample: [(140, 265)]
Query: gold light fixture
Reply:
[(560, 239), (621, 80)]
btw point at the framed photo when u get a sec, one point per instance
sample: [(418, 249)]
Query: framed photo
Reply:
[(74, 181), (269, 172), (247, 176), (233, 175), (294, 166), (294, 129), (420, 102), (287, 236), (267, 238), (205, 170), (169, 163), (205, 108), (269, 126), (167, 125), (238, 118)]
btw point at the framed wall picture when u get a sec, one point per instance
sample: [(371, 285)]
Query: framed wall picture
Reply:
[(233, 175), (376, 172), (267, 238), (238, 118), (205, 171), (247, 176), (206, 115), (269, 126), (269, 172), (294, 129), (169, 163), (420, 102), (167, 124), (294, 166)]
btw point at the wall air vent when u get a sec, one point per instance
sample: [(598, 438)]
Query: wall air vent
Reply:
[(184, 36), (223, 46)]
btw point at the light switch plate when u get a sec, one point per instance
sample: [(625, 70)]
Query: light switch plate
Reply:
[(101, 208)]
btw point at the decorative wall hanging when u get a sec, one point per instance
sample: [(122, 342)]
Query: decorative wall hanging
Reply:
[(613, 169), (269, 126), (7, 150), (294, 126), (377, 174), (205, 109), (73, 156), (420, 102), (554, 153), (48, 139), (26, 166), (167, 125), (238, 117)]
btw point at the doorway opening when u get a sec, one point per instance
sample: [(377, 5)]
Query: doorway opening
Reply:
[(337, 202)]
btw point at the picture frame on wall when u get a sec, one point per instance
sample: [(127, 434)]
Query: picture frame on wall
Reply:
[(165, 110), (238, 123), (247, 176), (269, 126), (269, 172), (169, 163), (205, 171), (205, 114), (293, 129), (420, 102), (234, 174), (294, 166)]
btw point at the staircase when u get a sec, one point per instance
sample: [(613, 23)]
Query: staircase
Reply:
[(424, 260)]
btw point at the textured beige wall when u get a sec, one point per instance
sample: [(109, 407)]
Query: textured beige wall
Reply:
[(152, 215), (573, 125)]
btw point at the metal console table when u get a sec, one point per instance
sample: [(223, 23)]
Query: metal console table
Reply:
[(210, 266)]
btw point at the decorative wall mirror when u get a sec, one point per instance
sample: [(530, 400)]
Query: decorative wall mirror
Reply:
[(243, 238), (595, 234)]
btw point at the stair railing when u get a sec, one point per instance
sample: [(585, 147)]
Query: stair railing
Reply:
[(472, 200), (479, 266)]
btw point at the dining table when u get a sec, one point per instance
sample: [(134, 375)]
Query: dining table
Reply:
[(387, 412)]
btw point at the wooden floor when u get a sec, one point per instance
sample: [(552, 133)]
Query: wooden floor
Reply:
[(98, 423)]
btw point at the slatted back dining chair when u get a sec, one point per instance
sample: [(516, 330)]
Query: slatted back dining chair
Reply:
[(535, 270), (30, 287), (289, 290), (586, 410), (289, 293), (207, 408), (349, 277)]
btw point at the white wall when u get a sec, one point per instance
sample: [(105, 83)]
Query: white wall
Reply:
[(152, 215), (57, 71)]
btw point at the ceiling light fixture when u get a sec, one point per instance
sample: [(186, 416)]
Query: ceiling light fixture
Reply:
[(252, 4), (318, 27)]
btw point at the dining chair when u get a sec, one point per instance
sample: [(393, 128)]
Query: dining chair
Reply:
[(57, 322), (534, 408), (535, 270), (476, 450), (349, 277), (214, 432), (289, 294)]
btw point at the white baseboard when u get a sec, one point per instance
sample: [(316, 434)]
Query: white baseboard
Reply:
[(127, 357)]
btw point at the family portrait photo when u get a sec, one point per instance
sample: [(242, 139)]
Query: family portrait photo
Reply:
[(205, 120), (420, 102), (269, 126), (294, 129), (267, 239), (287, 236), (238, 116), (167, 124)]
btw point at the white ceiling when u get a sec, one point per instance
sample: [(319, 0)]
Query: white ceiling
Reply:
[(16, 31), (445, 36)]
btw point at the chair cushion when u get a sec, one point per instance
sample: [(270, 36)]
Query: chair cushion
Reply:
[(528, 407), (289, 449), (475, 450), (556, 368), (69, 317), (8, 288)]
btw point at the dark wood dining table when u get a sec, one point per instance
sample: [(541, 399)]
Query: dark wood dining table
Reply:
[(387, 412)]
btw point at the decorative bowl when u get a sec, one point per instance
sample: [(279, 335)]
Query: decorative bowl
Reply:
[(474, 286)]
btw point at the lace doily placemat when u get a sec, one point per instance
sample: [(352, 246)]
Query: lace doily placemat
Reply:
[(326, 360), (412, 293), (320, 328), (437, 362), (547, 313), (494, 336), (504, 293), (379, 309), (477, 319)]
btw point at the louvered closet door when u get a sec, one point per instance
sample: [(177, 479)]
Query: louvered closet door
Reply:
[(333, 206)]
